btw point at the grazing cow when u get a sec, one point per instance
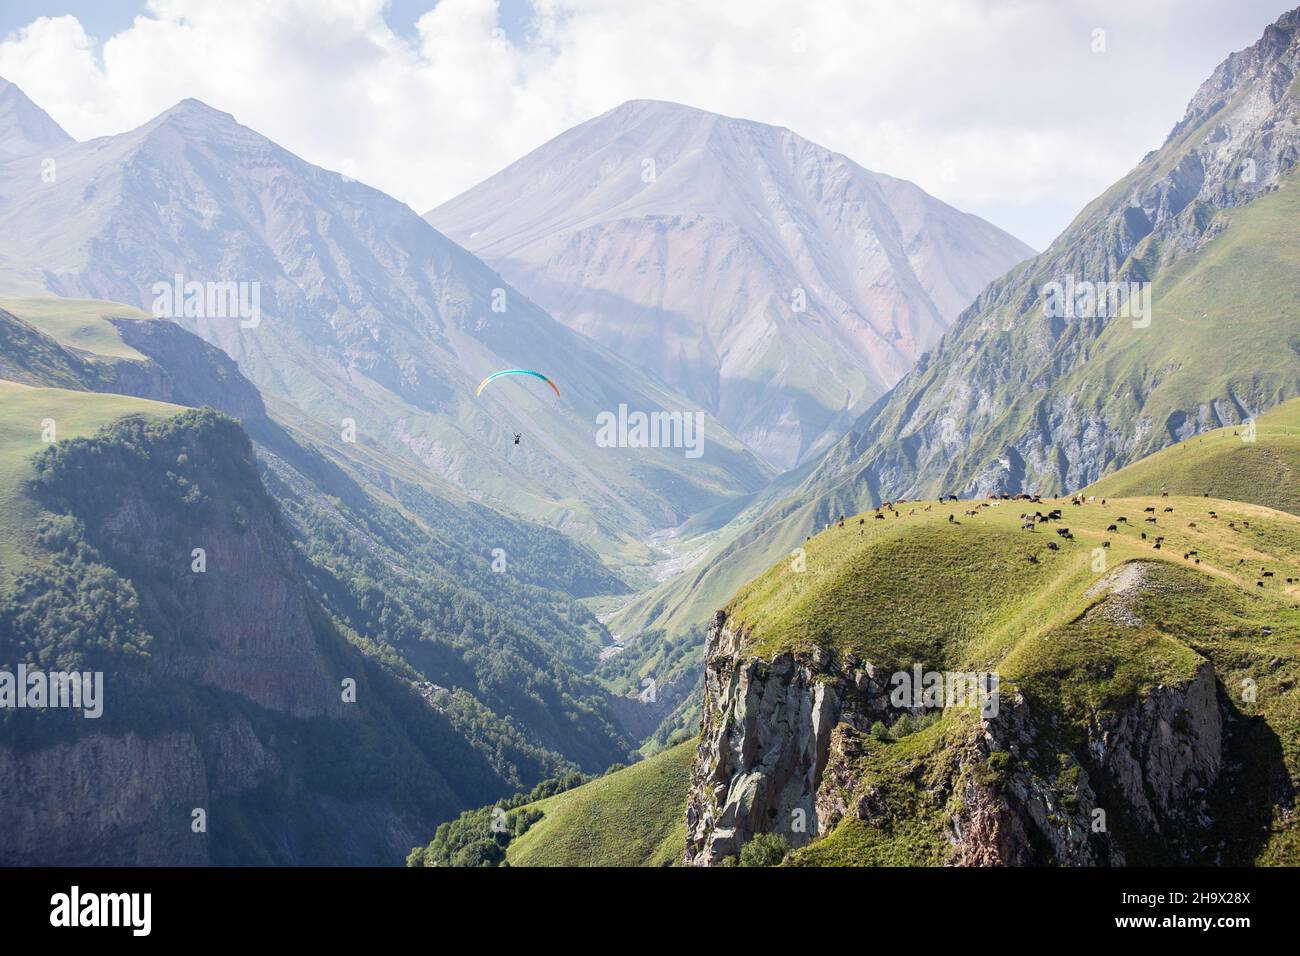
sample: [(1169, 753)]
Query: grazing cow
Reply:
[(1062, 531), (1122, 520), (1232, 524), (1169, 511), (952, 519), (1031, 558), (1052, 546), (1191, 524), (1214, 514), (879, 516), (1144, 535), (1157, 545), (1149, 511), (1103, 501), (1151, 520), (928, 507), (1105, 544), (1267, 574), (862, 521), (1112, 527), (1164, 494), (1259, 584), (1027, 526), (1245, 524)]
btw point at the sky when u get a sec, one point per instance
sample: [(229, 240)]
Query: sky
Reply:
[(1020, 111)]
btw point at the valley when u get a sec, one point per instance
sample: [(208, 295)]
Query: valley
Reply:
[(770, 439)]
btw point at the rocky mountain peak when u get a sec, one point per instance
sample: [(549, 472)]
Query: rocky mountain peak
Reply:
[(25, 128), (777, 283)]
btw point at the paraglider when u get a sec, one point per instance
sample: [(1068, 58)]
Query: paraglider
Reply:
[(514, 371)]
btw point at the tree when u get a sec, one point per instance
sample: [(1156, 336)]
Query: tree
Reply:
[(764, 849)]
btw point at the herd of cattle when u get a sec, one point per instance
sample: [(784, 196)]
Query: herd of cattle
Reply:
[(1031, 520)]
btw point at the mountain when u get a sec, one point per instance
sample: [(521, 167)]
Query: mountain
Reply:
[(1143, 711), (472, 683), (25, 128), (1013, 399), (778, 284), (1124, 671), (1023, 394), (365, 314), (221, 692)]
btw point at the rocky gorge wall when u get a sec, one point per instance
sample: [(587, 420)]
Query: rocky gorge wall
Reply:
[(781, 742)]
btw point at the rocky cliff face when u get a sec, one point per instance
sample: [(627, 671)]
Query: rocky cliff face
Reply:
[(182, 369), (229, 698), (782, 751), (765, 741)]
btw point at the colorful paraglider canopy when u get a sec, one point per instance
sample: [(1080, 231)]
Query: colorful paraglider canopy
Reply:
[(514, 371)]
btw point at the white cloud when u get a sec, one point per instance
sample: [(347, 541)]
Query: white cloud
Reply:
[(998, 107)]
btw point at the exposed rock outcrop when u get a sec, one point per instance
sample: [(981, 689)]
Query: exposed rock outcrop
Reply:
[(782, 750), (1165, 752), (765, 741)]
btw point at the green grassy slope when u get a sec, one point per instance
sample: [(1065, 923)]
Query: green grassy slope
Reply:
[(1223, 463), (963, 595), (23, 409), (78, 323), (632, 817)]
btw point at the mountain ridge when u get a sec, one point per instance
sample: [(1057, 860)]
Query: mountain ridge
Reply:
[(716, 249), (25, 128), (367, 313)]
